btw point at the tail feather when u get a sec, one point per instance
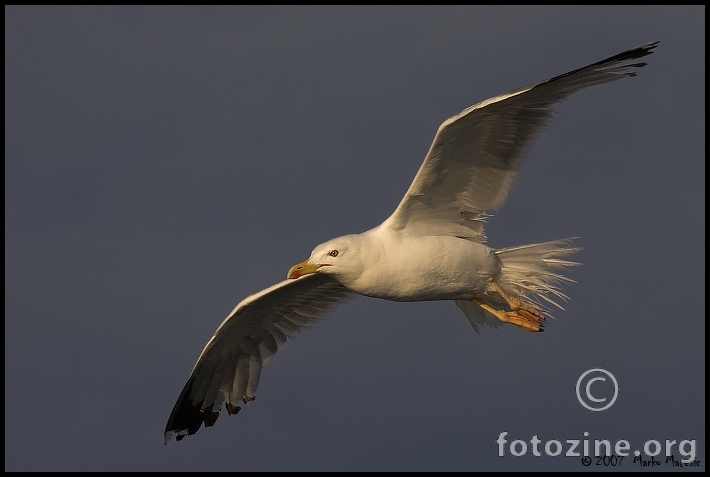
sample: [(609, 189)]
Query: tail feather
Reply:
[(532, 272)]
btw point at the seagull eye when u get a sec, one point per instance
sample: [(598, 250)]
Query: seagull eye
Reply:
[(333, 253)]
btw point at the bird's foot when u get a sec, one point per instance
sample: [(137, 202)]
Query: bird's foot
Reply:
[(526, 318), (521, 314)]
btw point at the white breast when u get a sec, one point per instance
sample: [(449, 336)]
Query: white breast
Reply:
[(405, 268)]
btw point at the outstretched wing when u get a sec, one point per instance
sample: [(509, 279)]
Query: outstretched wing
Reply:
[(229, 367), (474, 157)]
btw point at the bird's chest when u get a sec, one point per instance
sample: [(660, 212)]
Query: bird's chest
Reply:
[(435, 269)]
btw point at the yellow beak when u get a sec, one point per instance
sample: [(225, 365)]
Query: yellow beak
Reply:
[(303, 268)]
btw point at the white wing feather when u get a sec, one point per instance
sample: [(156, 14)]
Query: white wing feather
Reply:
[(229, 367), (474, 156)]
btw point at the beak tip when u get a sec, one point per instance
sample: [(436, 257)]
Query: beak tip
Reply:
[(301, 269)]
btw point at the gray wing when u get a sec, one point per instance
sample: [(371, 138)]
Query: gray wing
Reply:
[(229, 367), (474, 157)]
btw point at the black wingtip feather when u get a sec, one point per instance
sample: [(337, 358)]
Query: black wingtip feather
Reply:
[(187, 416), (632, 54)]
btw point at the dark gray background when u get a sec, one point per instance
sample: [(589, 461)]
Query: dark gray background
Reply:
[(163, 163)]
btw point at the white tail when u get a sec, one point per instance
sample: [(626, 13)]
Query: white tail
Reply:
[(531, 273)]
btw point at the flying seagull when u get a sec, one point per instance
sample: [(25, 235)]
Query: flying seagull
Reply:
[(431, 248)]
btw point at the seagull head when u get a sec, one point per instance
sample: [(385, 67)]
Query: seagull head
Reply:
[(337, 257)]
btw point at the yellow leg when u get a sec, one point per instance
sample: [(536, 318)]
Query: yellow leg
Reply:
[(516, 304), (520, 314)]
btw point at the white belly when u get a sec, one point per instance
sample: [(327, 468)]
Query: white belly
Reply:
[(428, 268)]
